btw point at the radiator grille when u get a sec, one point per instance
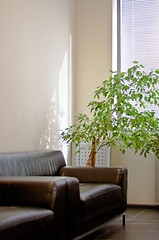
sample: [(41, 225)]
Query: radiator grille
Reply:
[(80, 159)]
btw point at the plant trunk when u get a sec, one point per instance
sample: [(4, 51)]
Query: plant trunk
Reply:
[(92, 157)]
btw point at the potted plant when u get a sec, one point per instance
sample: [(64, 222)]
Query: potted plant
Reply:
[(120, 115)]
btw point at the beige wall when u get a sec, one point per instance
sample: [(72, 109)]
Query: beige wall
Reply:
[(93, 57), (141, 176), (36, 41)]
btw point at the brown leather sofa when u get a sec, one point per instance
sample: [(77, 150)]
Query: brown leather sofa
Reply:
[(41, 197), (102, 197)]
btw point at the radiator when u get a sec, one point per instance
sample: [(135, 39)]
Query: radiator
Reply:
[(80, 159)]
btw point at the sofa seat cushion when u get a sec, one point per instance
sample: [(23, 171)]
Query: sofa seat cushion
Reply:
[(23, 223), (96, 197)]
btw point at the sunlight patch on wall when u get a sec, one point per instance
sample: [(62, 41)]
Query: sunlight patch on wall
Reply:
[(64, 92), (64, 99), (49, 138), (59, 113)]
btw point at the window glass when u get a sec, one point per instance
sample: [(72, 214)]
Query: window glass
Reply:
[(140, 33)]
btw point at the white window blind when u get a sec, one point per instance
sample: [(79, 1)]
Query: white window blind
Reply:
[(139, 32)]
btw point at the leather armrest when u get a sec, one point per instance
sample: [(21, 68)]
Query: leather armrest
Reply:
[(32, 191), (60, 194)]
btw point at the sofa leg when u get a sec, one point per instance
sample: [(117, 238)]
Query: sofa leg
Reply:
[(124, 219)]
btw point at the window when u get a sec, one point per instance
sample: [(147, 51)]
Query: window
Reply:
[(138, 34)]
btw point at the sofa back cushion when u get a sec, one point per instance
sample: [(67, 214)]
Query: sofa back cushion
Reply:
[(33, 163)]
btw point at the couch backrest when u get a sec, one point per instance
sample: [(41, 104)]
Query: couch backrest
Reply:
[(33, 163)]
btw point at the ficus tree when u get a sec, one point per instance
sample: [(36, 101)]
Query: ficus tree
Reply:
[(120, 114)]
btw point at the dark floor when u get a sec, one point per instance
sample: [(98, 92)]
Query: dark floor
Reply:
[(141, 224)]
